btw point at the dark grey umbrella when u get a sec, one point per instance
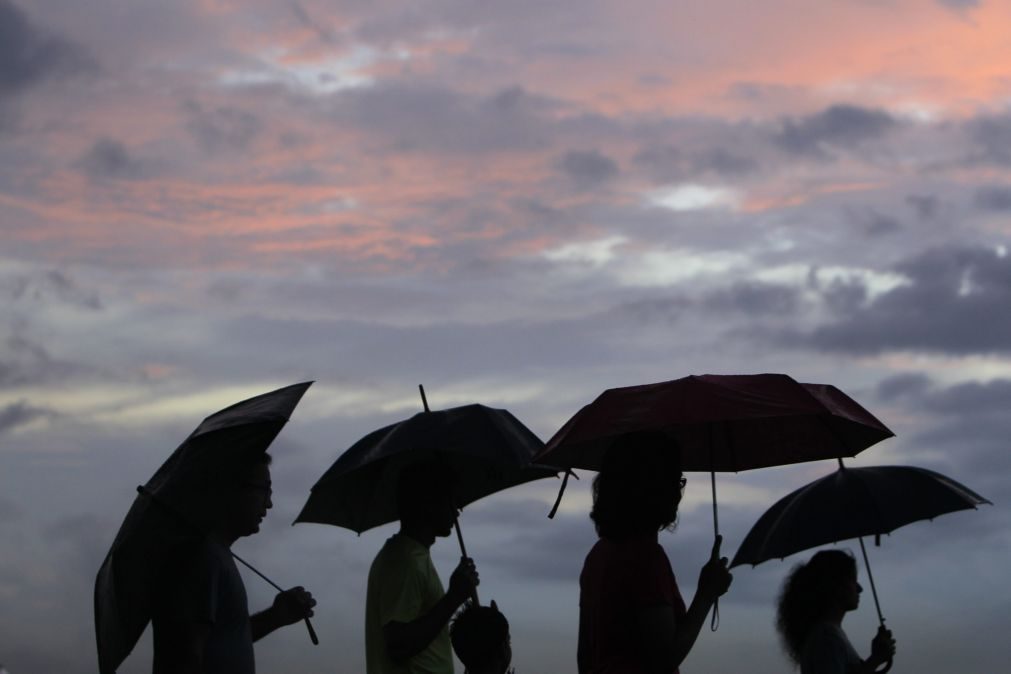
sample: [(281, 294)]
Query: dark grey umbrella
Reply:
[(852, 503), (486, 450), (161, 519)]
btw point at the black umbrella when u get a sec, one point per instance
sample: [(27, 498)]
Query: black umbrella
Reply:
[(853, 503), (161, 518), (487, 450)]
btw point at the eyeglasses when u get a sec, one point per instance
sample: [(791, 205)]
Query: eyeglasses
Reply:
[(683, 481)]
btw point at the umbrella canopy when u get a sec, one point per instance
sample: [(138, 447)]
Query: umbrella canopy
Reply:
[(850, 503), (722, 423), (158, 521), (486, 449)]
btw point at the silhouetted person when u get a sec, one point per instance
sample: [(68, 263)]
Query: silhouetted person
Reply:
[(815, 598), (480, 636), (632, 618), (201, 620), (406, 609)]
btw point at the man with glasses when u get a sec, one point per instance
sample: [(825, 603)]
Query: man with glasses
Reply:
[(201, 620)]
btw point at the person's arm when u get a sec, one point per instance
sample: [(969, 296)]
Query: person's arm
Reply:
[(290, 606), (882, 651), (406, 639), (666, 641), (179, 646)]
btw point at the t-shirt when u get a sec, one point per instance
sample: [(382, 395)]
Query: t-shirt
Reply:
[(827, 650), (403, 586), (201, 584), (619, 578)]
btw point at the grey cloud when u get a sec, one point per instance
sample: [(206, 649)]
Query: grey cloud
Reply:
[(666, 163), (973, 398), (991, 135), (19, 413), (878, 224), (959, 4), (324, 33), (952, 294), (755, 298), (588, 168), (9, 510), (223, 128), (902, 386), (109, 158), (837, 126), (926, 206), (415, 118), (994, 199), (28, 55), (52, 284), (24, 361)]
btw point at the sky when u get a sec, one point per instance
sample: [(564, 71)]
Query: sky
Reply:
[(518, 204)]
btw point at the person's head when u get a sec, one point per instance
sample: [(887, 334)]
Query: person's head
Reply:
[(237, 497), (480, 637), (638, 489), (824, 588), (426, 499)]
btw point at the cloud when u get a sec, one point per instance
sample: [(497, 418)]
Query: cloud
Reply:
[(755, 298), (839, 127), (109, 158), (18, 414), (410, 117), (951, 293), (993, 199), (588, 169), (991, 135), (222, 128), (903, 386), (29, 55)]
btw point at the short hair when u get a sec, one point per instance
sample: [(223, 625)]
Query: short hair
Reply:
[(625, 500), (419, 483), (478, 635), (808, 594)]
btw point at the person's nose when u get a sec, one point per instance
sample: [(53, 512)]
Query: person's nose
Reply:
[(860, 588)]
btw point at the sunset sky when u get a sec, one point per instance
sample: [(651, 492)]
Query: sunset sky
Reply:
[(518, 204)]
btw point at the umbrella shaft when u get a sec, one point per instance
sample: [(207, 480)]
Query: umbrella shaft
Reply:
[(870, 578)]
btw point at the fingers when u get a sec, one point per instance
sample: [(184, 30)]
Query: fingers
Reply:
[(300, 601)]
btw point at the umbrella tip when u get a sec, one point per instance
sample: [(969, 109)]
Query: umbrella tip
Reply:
[(424, 400)]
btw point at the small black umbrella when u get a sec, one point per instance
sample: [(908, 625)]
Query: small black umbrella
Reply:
[(160, 518), (852, 503), (486, 449)]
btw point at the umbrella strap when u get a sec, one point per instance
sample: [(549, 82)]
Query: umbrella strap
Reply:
[(561, 490), (150, 495)]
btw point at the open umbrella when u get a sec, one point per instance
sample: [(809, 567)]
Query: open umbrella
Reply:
[(852, 503), (160, 518), (486, 449), (721, 423)]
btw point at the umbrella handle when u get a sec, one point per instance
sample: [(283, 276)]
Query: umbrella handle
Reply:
[(463, 551)]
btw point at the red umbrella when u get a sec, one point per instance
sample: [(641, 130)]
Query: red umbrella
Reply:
[(721, 423)]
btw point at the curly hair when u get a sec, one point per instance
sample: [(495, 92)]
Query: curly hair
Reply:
[(636, 491), (808, 594)]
